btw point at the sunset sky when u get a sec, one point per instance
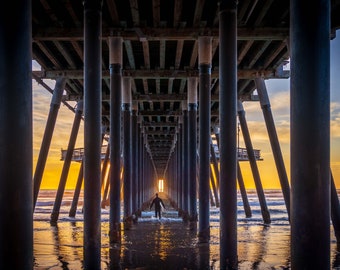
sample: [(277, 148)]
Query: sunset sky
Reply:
[(278, 91)]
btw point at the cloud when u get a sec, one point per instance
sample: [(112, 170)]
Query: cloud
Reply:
[(335, 119), (35, 65), (280, 111), (280, 105)]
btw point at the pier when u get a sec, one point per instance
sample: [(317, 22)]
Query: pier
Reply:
[(160, 87)]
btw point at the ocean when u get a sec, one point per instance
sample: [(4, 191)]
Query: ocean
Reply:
[(167, 243)]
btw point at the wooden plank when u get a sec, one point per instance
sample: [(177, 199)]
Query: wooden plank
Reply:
[(156, 10), (177, 13), (198, 12), (111, 6), (134, 12)]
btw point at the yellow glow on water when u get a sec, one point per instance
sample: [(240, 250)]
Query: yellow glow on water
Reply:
[(160, 245), (262, 242), (62, 243), (162, 242)]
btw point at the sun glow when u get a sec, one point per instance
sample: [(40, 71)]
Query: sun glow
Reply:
[(160, 185)]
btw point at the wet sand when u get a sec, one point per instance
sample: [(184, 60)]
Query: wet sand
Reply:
[(161, 245), (167, 243)]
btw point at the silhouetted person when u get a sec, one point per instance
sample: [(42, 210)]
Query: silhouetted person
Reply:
[(158, 203)]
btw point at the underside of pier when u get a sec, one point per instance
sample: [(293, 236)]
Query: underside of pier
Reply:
[(160, 86)]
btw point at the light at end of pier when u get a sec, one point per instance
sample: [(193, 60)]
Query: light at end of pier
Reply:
[(160, 185)]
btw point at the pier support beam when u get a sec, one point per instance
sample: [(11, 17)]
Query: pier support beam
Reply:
[(335, 210), (240, 181), (46, 142), (274, 141), (73, 209), (215, 175), (180, 167), (310, 134), (243, 192), (192, 150), (228, 147), (126, 107), (185, 171), (105, 179), (253, 165), (116, 59), (140, 161), (204, 59), (16, 200), (139, 167), (105, 164), (146, 170), (134, 156), (67, 163), (149, 174), (143, 170), (92, 132)]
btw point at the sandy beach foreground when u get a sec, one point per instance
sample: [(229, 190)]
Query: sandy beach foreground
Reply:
[(167, 243)]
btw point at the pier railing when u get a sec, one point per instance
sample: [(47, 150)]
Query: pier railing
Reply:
[(242, 154), (78, 154)]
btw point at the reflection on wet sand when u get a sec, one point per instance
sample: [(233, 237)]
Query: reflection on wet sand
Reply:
[(58, 246), (155, 245), (167, 243), (263, 247), (160, 245)]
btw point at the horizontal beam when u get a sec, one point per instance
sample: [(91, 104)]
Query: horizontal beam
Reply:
[(154, 34), (165, 149), (160, 142), (160, 113), (160, 132), (161, 73), (163, 97), (159, 97), (159, 124), (161, 138), (159, 154), (177, 113)]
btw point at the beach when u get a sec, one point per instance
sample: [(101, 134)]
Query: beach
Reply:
[(167, 243)]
